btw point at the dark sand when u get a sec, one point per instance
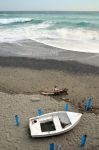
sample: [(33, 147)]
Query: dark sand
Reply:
[(28, 76), (21, 78)]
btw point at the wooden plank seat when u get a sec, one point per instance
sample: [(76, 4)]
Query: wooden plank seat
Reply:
[(57, 123)]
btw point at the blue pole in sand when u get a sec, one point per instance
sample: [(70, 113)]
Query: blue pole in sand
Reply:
[(66, 107), (52, 146), (83, 140), (40, 112), (88, 103), (17, 120)]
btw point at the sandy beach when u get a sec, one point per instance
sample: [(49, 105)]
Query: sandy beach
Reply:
[(22, 79), (13, 137)]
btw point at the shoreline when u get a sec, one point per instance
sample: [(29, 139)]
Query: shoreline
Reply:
[(35, 50)]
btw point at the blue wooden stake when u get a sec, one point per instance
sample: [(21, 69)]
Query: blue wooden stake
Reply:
[(67, 107), (17, 120), (40, 112), (83, 140), (88, 103), (52, 146)]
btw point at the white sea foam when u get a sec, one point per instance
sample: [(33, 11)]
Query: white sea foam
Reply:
[(43, 25), (77, 39), (14, 20)]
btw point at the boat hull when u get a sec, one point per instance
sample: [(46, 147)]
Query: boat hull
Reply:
[(70, 118)]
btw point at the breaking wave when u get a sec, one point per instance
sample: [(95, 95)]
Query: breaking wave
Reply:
[(19, 21), (71, 39), (70, 31)]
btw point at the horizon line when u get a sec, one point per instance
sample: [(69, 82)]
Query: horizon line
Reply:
[(51, 10)]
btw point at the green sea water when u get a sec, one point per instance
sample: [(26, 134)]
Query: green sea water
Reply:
[(77, 31)]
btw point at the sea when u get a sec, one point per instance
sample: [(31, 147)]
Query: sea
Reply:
[(68, 30)]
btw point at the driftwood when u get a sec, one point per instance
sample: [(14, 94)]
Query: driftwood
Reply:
[(54, 92)]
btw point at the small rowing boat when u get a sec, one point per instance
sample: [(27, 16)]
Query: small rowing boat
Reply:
[(54, 123)]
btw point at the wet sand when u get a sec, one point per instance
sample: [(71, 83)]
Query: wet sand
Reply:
[(33, 49)]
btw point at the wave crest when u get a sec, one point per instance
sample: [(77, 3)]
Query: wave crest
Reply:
[(77, 39), (19, 21), (84, 24), (81, 24)]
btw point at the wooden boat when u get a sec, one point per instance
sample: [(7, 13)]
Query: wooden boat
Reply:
[(54, 92), (54, 123)]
